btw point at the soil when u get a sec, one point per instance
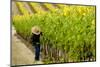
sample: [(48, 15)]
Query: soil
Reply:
[(15, 9), (21, 54)]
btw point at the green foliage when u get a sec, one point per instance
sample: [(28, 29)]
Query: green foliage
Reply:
[(74, 34)]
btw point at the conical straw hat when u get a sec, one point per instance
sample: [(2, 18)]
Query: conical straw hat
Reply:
[(36, 30)]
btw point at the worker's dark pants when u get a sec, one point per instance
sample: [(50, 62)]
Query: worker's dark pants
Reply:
[(37, 52)]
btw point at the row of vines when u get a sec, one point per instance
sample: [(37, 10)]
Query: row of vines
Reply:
[(68, 30)]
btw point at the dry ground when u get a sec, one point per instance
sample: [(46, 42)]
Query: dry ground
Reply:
[(21, 54)]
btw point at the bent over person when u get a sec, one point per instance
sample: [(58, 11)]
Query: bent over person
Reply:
[(36, 32)]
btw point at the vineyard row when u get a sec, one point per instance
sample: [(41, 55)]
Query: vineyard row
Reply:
[(21, 8)]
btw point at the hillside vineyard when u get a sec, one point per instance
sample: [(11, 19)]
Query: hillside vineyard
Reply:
[(69, 31)]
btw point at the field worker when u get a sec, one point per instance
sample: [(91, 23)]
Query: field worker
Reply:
[(36, 32)]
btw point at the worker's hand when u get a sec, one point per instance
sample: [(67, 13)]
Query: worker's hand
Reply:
[(41, 33)]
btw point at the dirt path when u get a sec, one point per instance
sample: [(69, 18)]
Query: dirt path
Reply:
[(15, 9), (28, 7), (21, 54)]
